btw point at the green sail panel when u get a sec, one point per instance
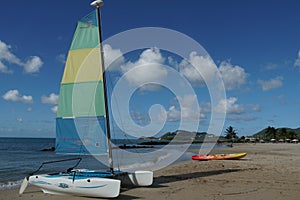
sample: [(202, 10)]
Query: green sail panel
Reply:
[(86, 35), (81, 100)]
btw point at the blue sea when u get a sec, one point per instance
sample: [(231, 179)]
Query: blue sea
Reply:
[(21, 156)]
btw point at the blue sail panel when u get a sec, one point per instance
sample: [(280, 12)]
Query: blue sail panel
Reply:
[(81, 136)]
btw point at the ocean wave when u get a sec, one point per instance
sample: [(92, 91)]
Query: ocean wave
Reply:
[(10, 185)]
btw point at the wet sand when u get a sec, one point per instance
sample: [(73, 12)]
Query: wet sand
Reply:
[(269, 171)]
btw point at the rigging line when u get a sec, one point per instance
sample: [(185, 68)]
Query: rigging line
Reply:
[(129, 141), (109, 79)]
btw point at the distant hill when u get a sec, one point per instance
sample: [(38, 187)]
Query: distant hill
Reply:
[(278, 133)]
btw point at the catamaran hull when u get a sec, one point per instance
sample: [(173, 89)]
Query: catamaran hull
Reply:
[(87, 186), (137, 178)]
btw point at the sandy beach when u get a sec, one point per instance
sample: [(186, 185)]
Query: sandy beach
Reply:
[(269, 171)]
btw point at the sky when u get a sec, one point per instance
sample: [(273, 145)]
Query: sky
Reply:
[(254, 44)]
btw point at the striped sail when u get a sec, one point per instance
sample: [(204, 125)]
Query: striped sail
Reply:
[(80, 120)]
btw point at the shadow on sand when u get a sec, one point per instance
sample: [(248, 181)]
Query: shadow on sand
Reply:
[(158, 181)]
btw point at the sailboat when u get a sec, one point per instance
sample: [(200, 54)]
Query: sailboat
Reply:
[(82, 122)]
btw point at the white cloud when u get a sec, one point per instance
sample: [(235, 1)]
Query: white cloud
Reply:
[(173, 114), (54, 109), (20, 120), (33, 65), (52, 99), (229, 106), (14, 96), (113, 56), (255, 107), (282, 99), (61, 58), (29, 109), (187, 110), (271, 66), (233, 76), (148, 68), (4, 69), (6, 56), (197, 68), (271, 84), (297, 62)]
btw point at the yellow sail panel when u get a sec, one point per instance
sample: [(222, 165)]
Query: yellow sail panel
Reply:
[(83, 65)]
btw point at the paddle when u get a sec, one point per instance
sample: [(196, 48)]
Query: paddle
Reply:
[(24, 185)]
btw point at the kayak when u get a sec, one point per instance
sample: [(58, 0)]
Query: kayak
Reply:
[(231, 156)]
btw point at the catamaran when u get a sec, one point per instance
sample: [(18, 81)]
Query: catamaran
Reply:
[(82, 122)]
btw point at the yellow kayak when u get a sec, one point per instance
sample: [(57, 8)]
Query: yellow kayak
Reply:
[(231, 156)]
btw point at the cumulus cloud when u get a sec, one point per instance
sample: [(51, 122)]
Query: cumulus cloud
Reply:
[(4, 69), (61, 58), (7, 56), (20, 120), (254, 107), (54, 109), (32, 65), (229, 106), (14, 96), (113, 56), (271, 66), (271, 84), (197, 68), (148, 68), (187, 110), (52, 99), (233, 76), (297, 62)]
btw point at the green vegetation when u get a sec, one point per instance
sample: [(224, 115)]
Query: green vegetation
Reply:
[(277, 133), (231, 135)]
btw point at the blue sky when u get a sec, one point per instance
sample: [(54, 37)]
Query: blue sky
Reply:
[(255, 44)]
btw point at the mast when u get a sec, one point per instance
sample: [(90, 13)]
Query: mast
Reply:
[(98, 4)]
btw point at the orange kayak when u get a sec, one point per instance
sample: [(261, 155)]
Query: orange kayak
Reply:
[(231, 156)]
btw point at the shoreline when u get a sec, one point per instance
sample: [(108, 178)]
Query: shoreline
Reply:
[(269, 171)]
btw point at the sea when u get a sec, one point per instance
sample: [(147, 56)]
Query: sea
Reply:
[(21, 156)]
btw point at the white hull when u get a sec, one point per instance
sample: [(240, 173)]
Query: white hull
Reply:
[(137, 178), (90, 186), (64, 185)]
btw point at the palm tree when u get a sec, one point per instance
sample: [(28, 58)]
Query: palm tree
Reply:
[(271, 133), (231, 133)]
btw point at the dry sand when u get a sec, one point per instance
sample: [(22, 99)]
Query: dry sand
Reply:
[(269, 171)]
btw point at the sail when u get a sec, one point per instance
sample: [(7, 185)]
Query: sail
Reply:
[(80, 120)]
